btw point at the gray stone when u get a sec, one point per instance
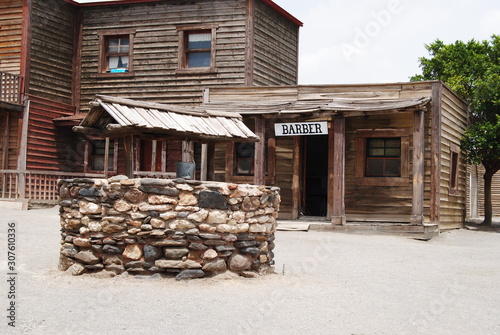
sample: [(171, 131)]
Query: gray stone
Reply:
[(151, 253), (117, 178), (138, 264), (169, 243), (177, 264), (111, 249), (90, 192), (87, 257), (250, 250), (68, 250), (94, 267), (116, 268), (175, 253), (190, 274), (214, 242), (245, 244), (65, 262), (209, 236), (215, 266), (76, 269), (197, 246), (156, 182), (239, 262), (172, 192), (225, 248), (246, 237), (212, 199), (111, 259)]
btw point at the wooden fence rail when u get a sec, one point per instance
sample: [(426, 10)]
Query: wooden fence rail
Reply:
[(11, 88), (38, 185)]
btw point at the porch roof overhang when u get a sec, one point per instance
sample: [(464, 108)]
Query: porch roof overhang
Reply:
[(320, 107), (117, 117)]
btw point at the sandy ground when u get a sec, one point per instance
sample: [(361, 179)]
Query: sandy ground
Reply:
[(326, 283)]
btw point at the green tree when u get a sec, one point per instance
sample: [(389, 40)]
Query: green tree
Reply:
[(472, 70)]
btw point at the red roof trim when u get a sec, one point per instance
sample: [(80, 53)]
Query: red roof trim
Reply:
[(271, 3)]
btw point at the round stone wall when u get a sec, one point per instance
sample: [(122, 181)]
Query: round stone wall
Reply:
[(189, 229)]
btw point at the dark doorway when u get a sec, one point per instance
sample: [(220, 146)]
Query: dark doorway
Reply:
[(316, 175)]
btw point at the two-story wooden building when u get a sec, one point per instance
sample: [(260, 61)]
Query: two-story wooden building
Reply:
[(57, 55)]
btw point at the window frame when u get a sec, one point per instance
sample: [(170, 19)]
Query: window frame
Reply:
[(361, 157), (183, 32), (103, 63), (88, 165), (454, 169)]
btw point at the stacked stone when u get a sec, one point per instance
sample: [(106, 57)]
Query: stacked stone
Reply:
[(189, 228)]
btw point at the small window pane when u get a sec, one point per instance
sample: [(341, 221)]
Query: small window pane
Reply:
[(372, 152), (118, 62), (393, 143), (198, 59), (375, 167), (393, 152), (118, 45), (375, 143), (199, 41), (392, 167)]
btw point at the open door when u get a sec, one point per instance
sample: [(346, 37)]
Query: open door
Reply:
[(315, 176)]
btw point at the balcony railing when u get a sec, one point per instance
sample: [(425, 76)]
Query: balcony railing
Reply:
[(11, 88)]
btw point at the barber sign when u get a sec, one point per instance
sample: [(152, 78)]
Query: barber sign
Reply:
[(301, 128)]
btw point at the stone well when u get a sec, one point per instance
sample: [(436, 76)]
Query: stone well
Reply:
[(189, 229)]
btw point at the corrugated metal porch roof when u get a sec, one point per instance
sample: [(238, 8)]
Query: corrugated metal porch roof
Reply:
[(118, 116)]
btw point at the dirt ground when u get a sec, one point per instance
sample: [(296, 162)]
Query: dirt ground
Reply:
[(325, 283)]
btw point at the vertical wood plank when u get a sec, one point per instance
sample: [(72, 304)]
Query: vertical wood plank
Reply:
[(5, 141), (106, 157), (163, 156), (249, 42), (129, 155), (435, 152), (338, 215), (331, 153), (260, 152), (296, 178), (153, 155), (418, 169), (204, 159)]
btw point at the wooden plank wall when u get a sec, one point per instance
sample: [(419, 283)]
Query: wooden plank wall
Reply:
[(51, 71), (48, 148), (155, 60), (453, 124), (10, 35), (11, 139), (276, 48), (495, 194)]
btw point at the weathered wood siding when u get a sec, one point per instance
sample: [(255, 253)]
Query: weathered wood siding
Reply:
[(48, 147), (495, 193), (453, 125), (155, 52), (275, 48), (11, 12), (52, 44), (9, 127)]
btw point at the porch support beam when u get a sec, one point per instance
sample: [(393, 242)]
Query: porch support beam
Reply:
[(417, 211), (260, 152), (129, 155), (338, 212)]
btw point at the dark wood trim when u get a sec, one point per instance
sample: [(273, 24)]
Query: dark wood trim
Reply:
[(435, 109), (249, 42), (26, 44), (260, 152), (5, 141), (417, 211), (338, 215)]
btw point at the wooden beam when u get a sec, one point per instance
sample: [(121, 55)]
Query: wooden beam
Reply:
[(338, 215), (204, 160), (106, 157), (331, 155), (249, 43), (417, 211), (296, 178), (129, 155), (435, 152), (23, 150), (260, 152), (5, 141)]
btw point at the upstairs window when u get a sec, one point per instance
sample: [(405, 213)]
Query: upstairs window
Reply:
[(197, 48), (116, 52)]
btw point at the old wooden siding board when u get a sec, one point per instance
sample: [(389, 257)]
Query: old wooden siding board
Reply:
[(284, 174), (10, 35), (156, 49), (52, 50), (47, 147), (276, 48), (454, 122)]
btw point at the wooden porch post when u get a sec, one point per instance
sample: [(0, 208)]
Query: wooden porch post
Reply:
[(338, 212), (204, 162), (5, 142), (417, 211), (23, 151), (260, 152), (129, 155), (296, 178), (106, 157)]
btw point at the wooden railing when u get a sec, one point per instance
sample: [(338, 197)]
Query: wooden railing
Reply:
[(11, 88), (34, 185)]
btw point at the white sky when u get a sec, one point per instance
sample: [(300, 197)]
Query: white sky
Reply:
[(379, 41)]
